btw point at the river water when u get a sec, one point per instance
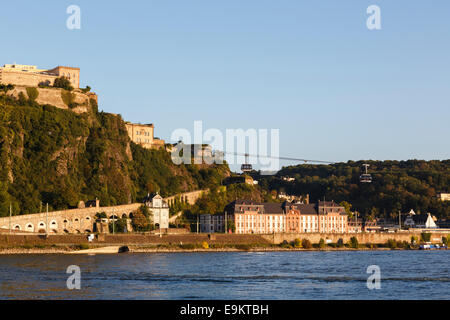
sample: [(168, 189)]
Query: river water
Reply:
[(229, 275)]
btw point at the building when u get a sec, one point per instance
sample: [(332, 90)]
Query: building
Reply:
[(142, 134), (31, 76), (292, 198), (159, 210), (414, 220), (444, 196), (211, 223), (355, 225), (256, 217), (371, 225), (332, 217)]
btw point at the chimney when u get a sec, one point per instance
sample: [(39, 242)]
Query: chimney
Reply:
[(97, 203), (307, 198)]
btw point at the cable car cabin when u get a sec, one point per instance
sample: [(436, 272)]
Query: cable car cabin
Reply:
[(365, 178), (246, 167)]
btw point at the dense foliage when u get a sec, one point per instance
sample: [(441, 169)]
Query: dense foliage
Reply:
[(397, 185), (60, 157), (63, 82)]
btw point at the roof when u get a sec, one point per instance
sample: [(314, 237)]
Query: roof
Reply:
[(307, 208), (302, 207), (271, 208), (328, 204), (73, 68)]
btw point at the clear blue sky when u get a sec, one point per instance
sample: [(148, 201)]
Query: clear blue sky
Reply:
[(312, 69)]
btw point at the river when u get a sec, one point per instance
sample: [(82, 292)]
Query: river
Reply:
[(228, 275)]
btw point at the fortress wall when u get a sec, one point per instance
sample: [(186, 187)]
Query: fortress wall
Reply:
[(188, 197), (24, 78)]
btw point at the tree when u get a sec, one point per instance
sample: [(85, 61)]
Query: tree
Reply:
[(33, 93), (354, 242), (321, 243), (230, 226), (119, 225), (348, 208), (63, 82), (140, 223), (426, 237), (87, 89), (6, 87), (306, 244)]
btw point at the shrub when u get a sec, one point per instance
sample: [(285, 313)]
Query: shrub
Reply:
[(68, 98), (340, 243), (297, 243), (82, 246), (321, 243), (205, 245), (405, 245), (353, 242), (445, 240), (306, 244), (44, 84), (119, 225), (189, 246), (391, 243), (414, 239), (87, 89), (63, 82), (426, 237), (285, 244), (6, 87), (101, 215), (22, 99), (245, 247), (32, 93)]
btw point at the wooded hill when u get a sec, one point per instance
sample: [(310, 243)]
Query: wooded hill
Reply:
[(397, 185), (60, 157)]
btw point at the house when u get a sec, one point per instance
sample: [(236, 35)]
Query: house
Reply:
[(419, 221), (159, 210), (444, 196), (211, 223)]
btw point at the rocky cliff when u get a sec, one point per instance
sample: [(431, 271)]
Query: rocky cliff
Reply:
[(49, 154)]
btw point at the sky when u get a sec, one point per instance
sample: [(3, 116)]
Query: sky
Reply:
[(336, 90)]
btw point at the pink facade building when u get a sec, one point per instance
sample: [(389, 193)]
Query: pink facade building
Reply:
[(255, 217)]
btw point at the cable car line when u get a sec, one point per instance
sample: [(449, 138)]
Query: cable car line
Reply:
[(279, 158)]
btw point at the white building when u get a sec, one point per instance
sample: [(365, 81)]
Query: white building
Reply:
[(444, 196), (159, 209)]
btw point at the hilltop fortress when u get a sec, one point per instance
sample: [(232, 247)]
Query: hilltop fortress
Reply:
[(25, 76), (31, 76)]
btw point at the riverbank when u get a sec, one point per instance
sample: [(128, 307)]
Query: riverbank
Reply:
[(143, 249)]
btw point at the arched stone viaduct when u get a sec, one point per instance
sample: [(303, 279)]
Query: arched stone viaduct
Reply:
[(81, 220), (66, 221)]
